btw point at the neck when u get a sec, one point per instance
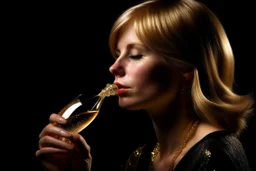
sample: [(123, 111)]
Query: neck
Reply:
[(172, 159), (170, 127), (170, 138)]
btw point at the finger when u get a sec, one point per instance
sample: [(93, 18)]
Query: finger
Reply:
[(55, 118), (56, 131), (84, 143), (49, 141), (53, 159), (50, 150), (81, 145)]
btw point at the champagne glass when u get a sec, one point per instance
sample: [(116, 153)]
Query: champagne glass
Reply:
[(81, 111)]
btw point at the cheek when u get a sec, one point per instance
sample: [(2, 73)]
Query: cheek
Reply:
[(163, 76), (155, 75), (140, 75)]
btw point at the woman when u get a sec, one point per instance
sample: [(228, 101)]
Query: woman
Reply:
[(173, 60)]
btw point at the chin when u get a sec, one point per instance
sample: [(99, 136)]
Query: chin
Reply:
[(132, 103), (129, 106)]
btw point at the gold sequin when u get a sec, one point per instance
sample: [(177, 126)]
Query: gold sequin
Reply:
[(208, 153)]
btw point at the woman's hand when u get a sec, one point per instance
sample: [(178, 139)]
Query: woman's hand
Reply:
[(60, 150)]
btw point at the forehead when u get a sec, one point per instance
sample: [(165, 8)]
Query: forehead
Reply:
[(127, 35)]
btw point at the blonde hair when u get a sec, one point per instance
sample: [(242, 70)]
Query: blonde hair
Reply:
[(187, 32)]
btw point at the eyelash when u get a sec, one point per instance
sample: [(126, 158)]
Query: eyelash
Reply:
[(135, 56)]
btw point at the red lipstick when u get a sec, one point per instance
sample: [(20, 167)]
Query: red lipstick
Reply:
[(121, 88)]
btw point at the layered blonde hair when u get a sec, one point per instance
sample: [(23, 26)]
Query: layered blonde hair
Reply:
[(187, 32)]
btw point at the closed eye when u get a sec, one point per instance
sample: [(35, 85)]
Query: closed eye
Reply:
[(135, 56)]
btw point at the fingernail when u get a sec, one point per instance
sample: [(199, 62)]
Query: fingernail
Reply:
[(65, 134), (61, 120)]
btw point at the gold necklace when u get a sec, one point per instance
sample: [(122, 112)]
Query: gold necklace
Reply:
[(186, 139)]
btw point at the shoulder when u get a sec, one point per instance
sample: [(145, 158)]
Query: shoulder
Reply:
[(223, 142), (133, 159), (140, 158), (221, 150)]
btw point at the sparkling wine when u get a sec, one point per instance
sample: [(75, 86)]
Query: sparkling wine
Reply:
[(82, 110), (77, 122)]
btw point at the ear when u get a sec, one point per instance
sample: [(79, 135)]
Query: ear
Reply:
[(189, 75)]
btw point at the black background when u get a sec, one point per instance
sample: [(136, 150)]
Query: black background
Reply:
[(53, 51)]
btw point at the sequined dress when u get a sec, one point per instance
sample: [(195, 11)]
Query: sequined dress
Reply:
[(217, 151)]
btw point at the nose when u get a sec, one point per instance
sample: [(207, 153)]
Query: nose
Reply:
[(117, 69)]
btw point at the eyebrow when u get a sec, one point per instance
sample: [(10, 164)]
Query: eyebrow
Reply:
[(135, 45)]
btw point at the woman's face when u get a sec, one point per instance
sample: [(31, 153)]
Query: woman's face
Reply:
[(145, 81)]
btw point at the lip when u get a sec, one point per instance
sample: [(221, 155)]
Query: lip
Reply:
[(120, 85), (121, 88), (121, 91)]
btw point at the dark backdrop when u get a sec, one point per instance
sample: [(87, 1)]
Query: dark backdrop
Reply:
[(56, 50)]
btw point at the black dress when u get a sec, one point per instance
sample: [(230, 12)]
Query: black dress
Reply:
[(217, 151)]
